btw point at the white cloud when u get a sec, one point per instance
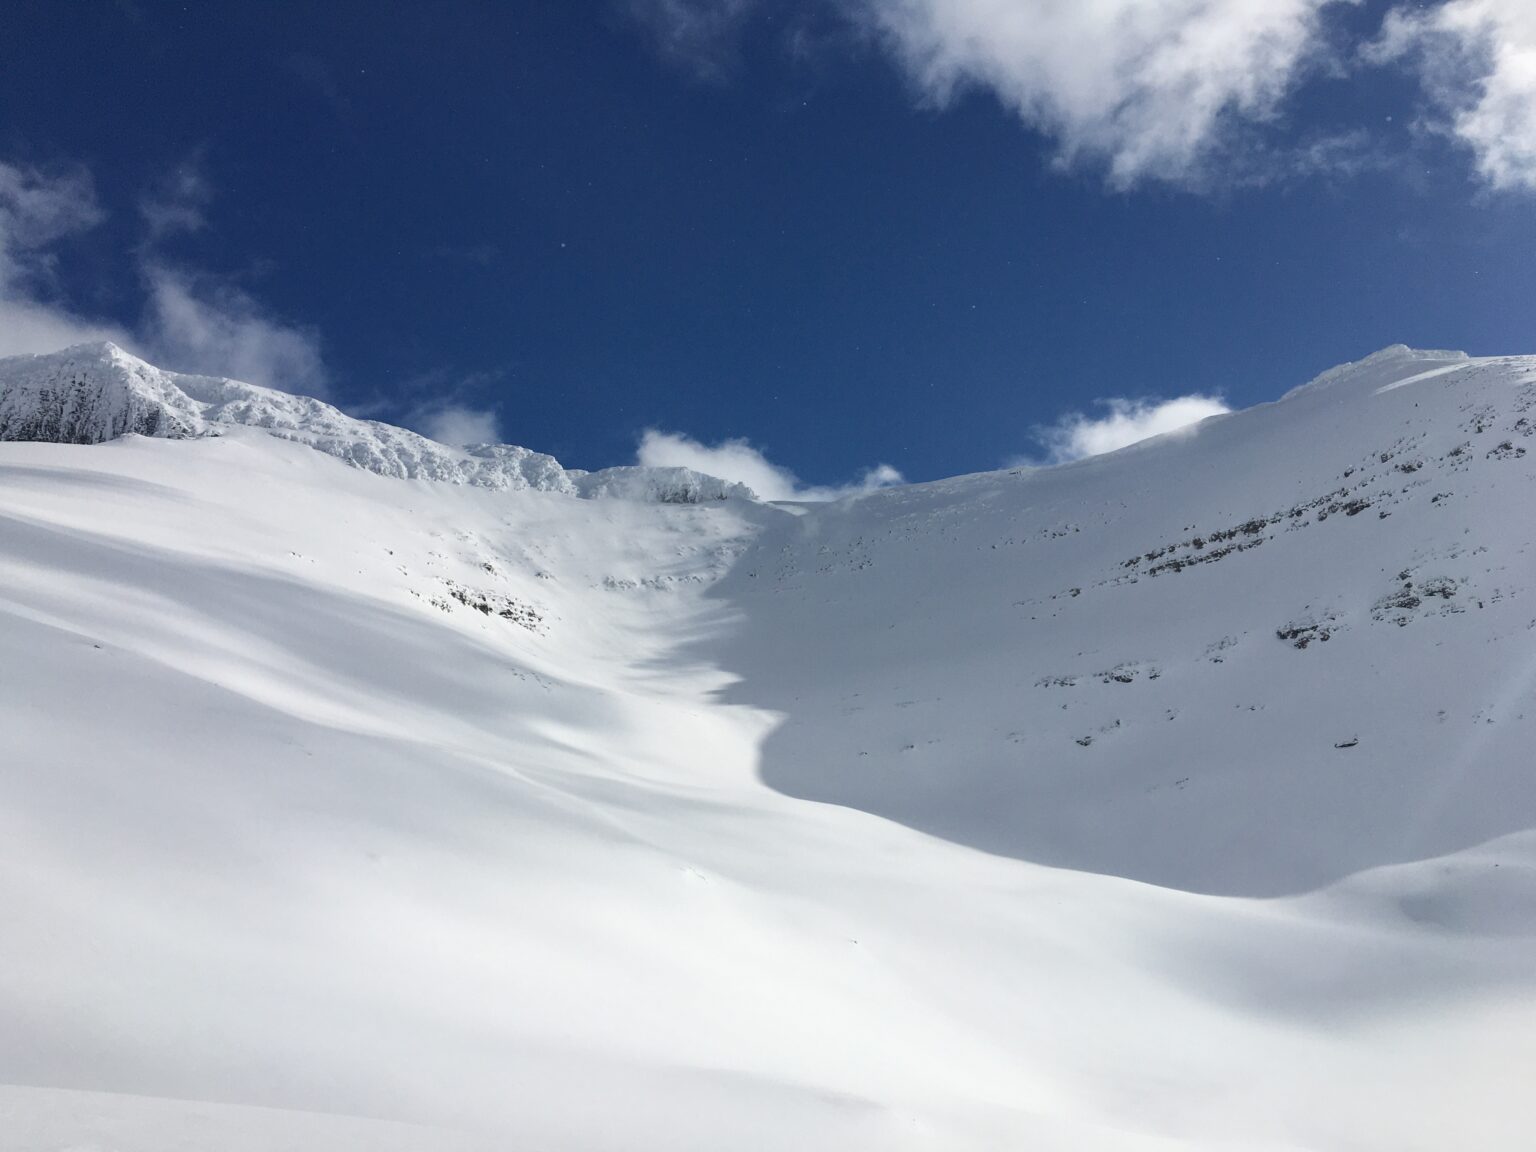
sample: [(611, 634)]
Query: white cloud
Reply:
[(737, 460), (198, 322), (457, 424), (1477, 59), (39, 208), (29, 326), (443, 404), (1143, 89), (205, 324), (1128, 421)]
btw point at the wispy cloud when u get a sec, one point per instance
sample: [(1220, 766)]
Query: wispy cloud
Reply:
[(1477, 60), (197, 322), (1145, 89), (452, 423), (1192, 93), (1124, 422), (738, 460), (177, 202), (442, 403), (700, 35), (1138, 89), (192, 320), (39, 208)]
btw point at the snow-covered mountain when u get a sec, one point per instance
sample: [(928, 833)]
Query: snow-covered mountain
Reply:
[(1178, 798), (97, 392)]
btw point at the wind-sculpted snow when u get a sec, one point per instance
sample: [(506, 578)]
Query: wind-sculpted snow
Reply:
[(1175, 799), (97, 392)]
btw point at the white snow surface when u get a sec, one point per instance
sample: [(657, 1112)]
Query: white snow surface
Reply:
[(1181, 798)]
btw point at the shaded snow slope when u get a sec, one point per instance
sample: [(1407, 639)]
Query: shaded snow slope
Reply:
[(97, 392), (1173, 799), (1294, 644)]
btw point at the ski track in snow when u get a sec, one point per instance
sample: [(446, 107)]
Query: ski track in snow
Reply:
[(1177, 798)]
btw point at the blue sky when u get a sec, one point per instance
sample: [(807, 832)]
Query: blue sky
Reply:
[(918, 233)]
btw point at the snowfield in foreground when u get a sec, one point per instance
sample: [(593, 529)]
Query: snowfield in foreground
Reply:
[(1179, 798)]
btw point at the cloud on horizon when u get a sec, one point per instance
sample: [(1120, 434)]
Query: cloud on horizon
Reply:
[(738, 460), (1077, 436)]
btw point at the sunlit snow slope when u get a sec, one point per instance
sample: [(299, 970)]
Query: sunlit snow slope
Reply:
[(1180, 798)]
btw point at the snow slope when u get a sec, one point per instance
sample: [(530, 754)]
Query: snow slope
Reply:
[(1087, 651), (1179, 798)]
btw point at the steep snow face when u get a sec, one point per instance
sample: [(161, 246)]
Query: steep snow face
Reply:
[(1179, 798), (93, 393), (90, 394)]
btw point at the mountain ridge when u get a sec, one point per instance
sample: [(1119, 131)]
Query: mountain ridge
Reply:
[(91, 393)]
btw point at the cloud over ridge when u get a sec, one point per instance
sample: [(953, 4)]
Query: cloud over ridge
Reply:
[(192, 321), (38, 208), (738, 460), (1076, 435), (458, 424), (207, 325)]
